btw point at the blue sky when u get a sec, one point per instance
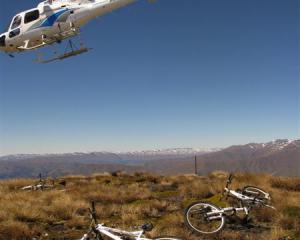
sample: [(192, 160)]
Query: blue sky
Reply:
[(172, 74)]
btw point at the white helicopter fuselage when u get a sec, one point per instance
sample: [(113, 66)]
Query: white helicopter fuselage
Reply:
[(53, 21)]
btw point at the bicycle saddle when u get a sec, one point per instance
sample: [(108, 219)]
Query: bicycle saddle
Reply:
[(147, 227)]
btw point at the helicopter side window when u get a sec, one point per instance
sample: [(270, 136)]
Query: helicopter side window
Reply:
[(14, 33), (31, 16), (16, 22)]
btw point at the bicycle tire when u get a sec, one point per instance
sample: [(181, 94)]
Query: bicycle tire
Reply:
[(216, 225), (259, 193), (167, 238)]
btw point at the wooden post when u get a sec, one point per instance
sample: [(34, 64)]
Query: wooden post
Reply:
[(196, 167)]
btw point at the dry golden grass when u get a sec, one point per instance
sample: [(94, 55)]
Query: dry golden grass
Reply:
[(289, 184), (126, 201)]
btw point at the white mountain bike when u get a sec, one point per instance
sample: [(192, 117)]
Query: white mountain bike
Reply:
[(98, 231), (206, 218), (42, 185)]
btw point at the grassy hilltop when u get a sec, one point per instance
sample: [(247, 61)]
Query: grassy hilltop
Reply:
[(126, 201)]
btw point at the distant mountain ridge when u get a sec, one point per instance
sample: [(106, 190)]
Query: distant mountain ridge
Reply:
[(157, 152), (280, 157)]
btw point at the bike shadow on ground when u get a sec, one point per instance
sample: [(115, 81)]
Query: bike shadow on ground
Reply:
[(241, 224)]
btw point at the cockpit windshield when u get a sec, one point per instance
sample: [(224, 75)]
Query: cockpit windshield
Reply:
[(16, 22)]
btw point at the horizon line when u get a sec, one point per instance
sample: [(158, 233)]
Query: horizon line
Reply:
[(145, 150)]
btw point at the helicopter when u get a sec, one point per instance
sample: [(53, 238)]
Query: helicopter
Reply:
[(52, 22)]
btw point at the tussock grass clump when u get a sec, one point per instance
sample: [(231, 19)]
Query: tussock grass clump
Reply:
[(289, 184), (195, 189), (11, 229), (126, 201), (218, 174), (109, 194)]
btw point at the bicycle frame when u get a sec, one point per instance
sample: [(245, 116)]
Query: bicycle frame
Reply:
[(40, 185), (240, 196), (113, 233), (37, 187), (217, 214)]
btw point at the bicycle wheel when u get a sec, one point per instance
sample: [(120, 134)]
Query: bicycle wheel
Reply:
[(200, 218), (257, 193), (167, 238)]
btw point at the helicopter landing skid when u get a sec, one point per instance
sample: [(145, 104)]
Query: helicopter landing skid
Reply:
[(70, 51)]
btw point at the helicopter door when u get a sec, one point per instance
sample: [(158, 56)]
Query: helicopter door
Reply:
[(15, 26)]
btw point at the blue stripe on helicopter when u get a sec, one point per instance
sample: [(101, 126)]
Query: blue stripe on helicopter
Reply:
[(49, 21)]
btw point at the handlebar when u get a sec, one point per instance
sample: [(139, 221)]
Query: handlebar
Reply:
[(94, 223), (93, 213), (229, 181)]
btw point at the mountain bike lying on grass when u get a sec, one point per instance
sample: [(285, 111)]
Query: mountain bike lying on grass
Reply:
[(43, 185), (206, 218), (98, 231)]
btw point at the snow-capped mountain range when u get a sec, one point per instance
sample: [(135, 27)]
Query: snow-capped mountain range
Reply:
[(281, 157), (272, 145), (156, 152), (275, 144)]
